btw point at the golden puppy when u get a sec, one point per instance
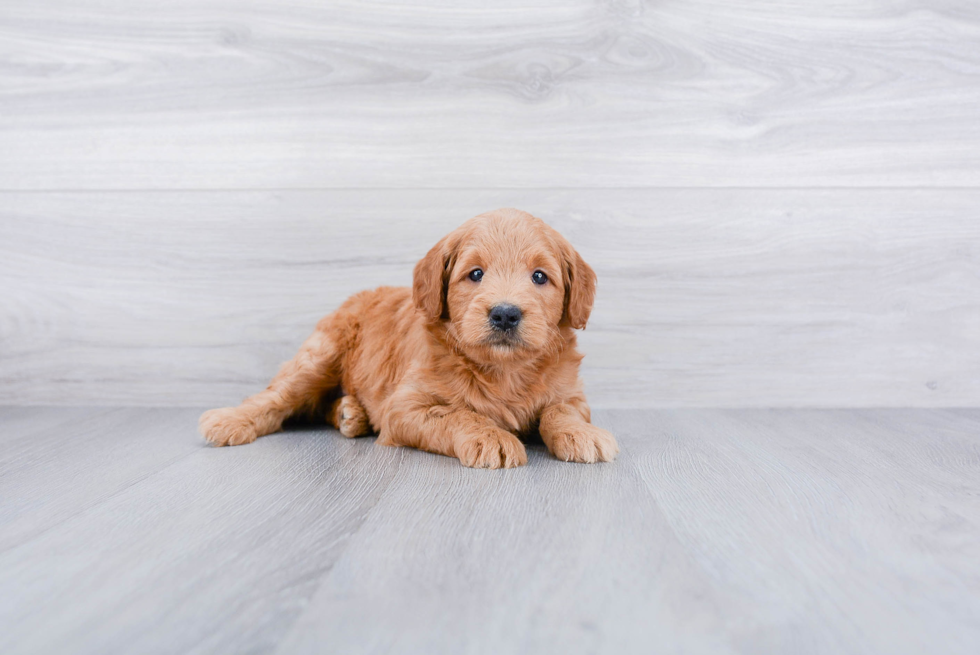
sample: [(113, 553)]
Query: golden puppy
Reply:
[(479, 350)]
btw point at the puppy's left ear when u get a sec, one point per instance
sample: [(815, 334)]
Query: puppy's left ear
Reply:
[(431, 278), (579, 280)]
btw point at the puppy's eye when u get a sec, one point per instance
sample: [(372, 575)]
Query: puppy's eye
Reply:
[(476, 274), (539, 277)]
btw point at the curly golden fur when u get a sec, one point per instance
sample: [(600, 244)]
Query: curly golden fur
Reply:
[(438, 367)]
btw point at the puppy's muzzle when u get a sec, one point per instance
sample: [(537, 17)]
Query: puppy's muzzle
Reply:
[(505, 317)]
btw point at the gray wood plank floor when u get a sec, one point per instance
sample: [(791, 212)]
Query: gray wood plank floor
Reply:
[(744, 531)]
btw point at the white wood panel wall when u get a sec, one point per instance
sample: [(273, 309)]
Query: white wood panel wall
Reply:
[(717, 297), (781, 199)]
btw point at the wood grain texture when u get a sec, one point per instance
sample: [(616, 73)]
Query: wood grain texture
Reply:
[(706, 297), (21, 422), (161, 544), (106, 94), (783, 495), (42, 491), (739, 531)]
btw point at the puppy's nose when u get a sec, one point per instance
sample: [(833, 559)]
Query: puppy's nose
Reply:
[(504, 316)]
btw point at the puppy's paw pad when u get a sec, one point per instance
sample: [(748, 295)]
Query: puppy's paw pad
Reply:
[(492, 450), (350, 418), (227, 426), (587, 444)]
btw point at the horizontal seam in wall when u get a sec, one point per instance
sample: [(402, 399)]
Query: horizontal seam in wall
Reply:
[(492, 189)]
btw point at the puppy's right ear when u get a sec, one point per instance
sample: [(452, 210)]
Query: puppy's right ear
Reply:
[(431, 278), (579, 280)]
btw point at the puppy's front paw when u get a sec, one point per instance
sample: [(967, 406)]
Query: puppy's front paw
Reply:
[(584, 443), (228, 426), (491, 449)]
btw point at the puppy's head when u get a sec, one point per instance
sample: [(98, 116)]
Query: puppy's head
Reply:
[(503, 285)]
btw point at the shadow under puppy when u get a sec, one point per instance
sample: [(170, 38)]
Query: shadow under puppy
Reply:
[(480, 350)]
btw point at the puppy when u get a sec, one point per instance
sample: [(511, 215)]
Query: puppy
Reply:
[(480, 351)]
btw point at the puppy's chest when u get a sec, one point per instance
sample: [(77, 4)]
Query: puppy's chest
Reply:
[(514, 405)]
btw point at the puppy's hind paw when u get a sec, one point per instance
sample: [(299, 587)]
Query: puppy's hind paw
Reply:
[(584, 443), (227, 426), (350, 418)]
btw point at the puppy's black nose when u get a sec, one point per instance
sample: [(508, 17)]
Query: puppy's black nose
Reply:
[(505, 317)]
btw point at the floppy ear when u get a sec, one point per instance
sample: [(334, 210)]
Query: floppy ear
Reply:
[(431, 277), (579, 279)]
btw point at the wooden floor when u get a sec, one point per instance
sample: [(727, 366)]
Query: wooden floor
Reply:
[(790, 531)]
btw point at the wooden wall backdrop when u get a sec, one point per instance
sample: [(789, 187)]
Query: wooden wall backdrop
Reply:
[(782, 200)]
